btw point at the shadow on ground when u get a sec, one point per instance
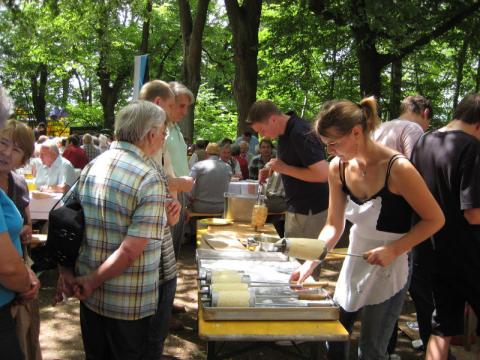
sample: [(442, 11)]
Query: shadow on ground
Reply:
[(60, 336)]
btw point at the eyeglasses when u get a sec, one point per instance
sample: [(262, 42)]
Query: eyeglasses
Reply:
[(334, 142)]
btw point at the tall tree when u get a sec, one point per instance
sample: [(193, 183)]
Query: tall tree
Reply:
[(375, 26), (192, 35), (244, 22), (396, 89)]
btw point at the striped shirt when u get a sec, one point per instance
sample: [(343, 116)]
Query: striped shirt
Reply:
[(122, 194), (168, 263)]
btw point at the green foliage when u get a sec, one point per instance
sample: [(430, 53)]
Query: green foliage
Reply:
[(213, 121), (85, 115), (303, 58)]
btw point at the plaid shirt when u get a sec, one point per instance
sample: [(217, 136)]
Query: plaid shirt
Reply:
[(255, 165), (91, 150), (122, 194)]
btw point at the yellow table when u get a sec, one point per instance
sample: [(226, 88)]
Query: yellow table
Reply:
[(266, 332)]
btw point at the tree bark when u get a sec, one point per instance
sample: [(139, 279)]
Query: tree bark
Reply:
[(460, 65), (146, 36), (38, 83), (477, 78), (192, 36), (371, 63), (244, 22), (396, 89)]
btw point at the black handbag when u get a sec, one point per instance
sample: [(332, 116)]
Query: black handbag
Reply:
[(66, 227)]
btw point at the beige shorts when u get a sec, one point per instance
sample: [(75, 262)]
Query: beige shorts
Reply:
[(307, 226)]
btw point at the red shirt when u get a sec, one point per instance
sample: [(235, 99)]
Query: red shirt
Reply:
[(243, 162), (76, 155)]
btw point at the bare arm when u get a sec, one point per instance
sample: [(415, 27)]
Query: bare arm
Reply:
[(13, 272), (472, 216), (122, 258), (26, 233), (407, 182), (335, 224), (317, 172)]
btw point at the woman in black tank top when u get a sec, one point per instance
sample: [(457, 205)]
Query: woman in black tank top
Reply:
[(377, 189)]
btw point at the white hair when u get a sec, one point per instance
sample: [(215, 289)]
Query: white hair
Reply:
[(51, 145), (136, 119), (180, 89)]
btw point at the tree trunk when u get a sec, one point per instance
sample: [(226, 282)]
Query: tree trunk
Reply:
[(369, 62), (192, 36), (244, 22), (477, 78), (109, 94), (460, 65), (65, 90), (396, 89), (146, 36), (39, 89)]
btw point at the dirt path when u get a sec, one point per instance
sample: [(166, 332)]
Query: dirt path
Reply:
[(60, 336)]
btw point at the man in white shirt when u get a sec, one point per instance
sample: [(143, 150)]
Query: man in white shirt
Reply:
[(55, 173)]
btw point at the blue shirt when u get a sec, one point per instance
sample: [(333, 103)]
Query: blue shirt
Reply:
[(11, 222), (59, 173)]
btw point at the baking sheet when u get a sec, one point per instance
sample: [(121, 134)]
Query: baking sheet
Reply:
[(262, 267)]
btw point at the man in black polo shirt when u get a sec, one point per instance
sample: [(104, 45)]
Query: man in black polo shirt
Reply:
[(301, 162), (449, 161)]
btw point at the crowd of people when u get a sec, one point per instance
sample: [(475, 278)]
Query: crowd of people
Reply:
[(413, 199)]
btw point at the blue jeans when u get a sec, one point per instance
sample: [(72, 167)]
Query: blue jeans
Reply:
[(159, 323), (377, 326)]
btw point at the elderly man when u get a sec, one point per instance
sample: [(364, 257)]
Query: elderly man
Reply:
[(177, 149), (90, 148), (302, 164), (160, 93), (55, 173), (127, 210), (250, 139), (211, 182)]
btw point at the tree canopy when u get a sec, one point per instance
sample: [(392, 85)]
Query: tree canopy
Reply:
[(78, 55)]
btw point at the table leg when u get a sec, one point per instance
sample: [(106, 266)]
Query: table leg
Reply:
[(314, 350), (211, 350)]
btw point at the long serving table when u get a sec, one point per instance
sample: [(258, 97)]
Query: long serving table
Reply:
[(260, 332), (40, 207)]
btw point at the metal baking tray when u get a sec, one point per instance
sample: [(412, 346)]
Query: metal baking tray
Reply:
[(262, 267)]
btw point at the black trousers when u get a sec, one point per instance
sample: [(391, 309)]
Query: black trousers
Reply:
[(9, 345), (112, 339)]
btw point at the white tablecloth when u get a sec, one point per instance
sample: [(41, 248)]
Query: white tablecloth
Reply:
[(40, 208)]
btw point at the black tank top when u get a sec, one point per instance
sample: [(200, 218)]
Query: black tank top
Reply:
[(395, 214)]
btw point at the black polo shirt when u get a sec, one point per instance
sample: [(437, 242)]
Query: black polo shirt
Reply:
[(299, 147)]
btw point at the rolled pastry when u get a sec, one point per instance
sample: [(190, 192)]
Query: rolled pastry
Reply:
[(232, 298), (228, 286), (305, 249), (226, 277)]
